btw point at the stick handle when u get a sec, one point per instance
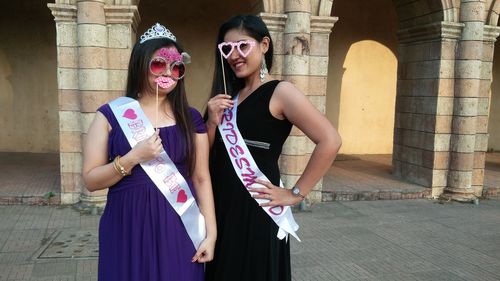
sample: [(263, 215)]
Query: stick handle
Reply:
[(156, 117), (223, 73)]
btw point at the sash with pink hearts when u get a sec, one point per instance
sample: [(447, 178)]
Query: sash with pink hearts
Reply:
[(247, 170), (162, 171)]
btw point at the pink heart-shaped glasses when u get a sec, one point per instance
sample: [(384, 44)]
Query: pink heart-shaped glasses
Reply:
[(244, 48)]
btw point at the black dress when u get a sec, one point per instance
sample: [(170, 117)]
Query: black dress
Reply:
[(247, 247)]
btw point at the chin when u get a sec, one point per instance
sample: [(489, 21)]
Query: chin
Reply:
[(166, 91), (241, 74)]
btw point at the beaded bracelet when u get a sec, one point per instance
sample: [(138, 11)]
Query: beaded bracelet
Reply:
[(119, 168)]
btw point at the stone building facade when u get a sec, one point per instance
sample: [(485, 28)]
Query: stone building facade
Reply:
[(443, 53)]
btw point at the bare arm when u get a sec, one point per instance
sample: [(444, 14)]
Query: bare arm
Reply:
[(288, 102), (300, 112), (203, 186), (211, 128), (97, 172), (215, 109)]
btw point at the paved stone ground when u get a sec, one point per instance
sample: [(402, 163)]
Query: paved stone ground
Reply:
[(399, 240), (492, 175), (369, 177), (357, 240), (31, 178)]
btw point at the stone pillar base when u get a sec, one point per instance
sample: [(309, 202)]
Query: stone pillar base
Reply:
[(465, 195), (437, 192), (68, 198), (315, 196), (97, 201), (91, 205)]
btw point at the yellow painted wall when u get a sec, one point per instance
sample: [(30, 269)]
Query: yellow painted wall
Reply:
[(361, 87), (28, 81), (494, 120), (28, 66), (362, 76), (368, 94)]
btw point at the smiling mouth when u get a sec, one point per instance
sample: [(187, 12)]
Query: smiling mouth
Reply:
[(238, 63), (164, 82)]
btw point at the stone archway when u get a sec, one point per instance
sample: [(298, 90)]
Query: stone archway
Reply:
[(444, 80), (427, 39), (491, 174), (362, 76), (94, 39), (443, 65), (492, 20), (29, 142), (93, 47)]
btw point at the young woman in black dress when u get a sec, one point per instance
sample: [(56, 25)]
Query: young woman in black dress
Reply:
[(247, 246)]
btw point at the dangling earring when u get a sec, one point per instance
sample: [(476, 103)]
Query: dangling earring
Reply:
[(263, 69)]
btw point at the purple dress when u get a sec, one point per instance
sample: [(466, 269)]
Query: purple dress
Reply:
[(141, 237)]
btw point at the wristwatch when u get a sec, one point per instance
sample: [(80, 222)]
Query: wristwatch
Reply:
[(296, 192)]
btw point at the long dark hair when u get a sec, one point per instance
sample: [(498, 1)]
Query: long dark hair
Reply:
[(137, 81), (254, 27)]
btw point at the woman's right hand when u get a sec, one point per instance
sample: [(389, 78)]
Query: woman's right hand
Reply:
[(148, 149), (216, 107)]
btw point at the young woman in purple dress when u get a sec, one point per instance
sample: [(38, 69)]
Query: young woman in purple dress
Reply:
[(142, 235)]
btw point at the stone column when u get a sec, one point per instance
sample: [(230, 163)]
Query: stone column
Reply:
[(65, 17), (276, 25), (465, 107), (301, 57), (296, 43), (92, 63), (321, 27), (424, 103), (103, 62), (94, 41)]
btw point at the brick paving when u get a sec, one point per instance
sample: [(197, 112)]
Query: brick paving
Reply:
[(422, 240), (363, 240), (399, 240)]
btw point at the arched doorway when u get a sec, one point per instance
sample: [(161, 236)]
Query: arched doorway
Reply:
[(428, 148), (361, 99), (492, 158), (29, 146), (492, 165)]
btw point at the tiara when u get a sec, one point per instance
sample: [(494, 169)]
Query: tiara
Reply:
[(157, 31)]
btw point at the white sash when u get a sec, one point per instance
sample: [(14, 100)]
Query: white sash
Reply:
[(162, 171), (247, 170)]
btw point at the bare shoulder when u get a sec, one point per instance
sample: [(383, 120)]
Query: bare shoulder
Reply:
[(286, 88), (99, 117), (286, 92), (286, 99), (101, 122)]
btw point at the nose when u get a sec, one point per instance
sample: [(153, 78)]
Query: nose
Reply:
[(234, 54), (167, 72)]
